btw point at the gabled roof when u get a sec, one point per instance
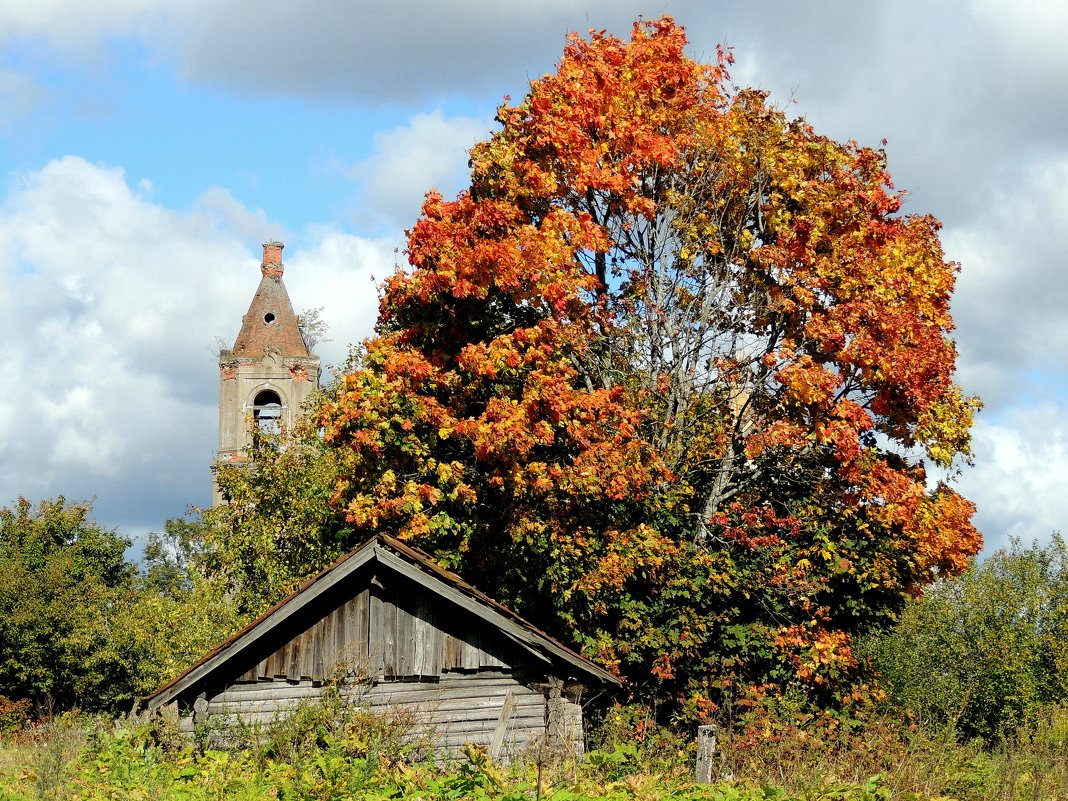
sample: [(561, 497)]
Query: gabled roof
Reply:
[(413, 564), (270, 322)]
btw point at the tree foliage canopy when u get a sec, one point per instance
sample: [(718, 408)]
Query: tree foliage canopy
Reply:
[(666, 378), (79, 626), (986, 652)]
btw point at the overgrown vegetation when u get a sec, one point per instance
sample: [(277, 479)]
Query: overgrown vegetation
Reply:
[(331, 751), (81, 627)]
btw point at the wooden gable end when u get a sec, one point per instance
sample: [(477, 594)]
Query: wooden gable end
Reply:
[(382, 625), (384, 612), (397, 632)]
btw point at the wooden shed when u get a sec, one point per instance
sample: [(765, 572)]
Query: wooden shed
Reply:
[(409, 635)]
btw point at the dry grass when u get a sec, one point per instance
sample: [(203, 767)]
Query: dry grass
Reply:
[(909, 762)]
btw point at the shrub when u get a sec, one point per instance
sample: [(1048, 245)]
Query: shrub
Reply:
[(985, 653)]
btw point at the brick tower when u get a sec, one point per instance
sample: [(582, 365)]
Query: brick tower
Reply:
[(269, 372)]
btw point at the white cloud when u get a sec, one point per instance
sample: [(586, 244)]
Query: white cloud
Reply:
[(1034, 30), (109, 303), (81, 31), (229, 213), (1021, 461), (430, 152), (339, 272), (1013, 288)]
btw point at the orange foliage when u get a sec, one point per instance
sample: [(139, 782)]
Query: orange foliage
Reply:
[(667, 377)]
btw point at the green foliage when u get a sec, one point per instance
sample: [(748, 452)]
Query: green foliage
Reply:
[(63, 581), (80, 627), (986, 652), (277, 526)]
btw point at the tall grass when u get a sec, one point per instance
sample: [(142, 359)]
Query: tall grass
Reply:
[(332, 751)]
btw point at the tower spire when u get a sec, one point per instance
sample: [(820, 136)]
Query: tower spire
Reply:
[(269, 372)]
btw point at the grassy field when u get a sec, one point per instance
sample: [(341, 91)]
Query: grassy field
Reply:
[(321, 754)]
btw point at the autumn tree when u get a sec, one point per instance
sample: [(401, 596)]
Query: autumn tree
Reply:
[(668, 378)]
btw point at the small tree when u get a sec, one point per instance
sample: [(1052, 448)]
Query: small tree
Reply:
[(987, 651), (61, 577), (313, 327), (79, 626)]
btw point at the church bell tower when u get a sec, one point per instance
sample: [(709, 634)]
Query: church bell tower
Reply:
[(269, 372)]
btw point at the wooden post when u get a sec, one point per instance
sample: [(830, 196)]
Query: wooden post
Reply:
[(200, 709), (555, 723), (706, 750), (497, 743)]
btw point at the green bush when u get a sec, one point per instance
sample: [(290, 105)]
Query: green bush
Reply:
[(985, 653)]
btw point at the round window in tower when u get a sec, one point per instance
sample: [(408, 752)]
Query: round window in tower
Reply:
[(268, 318)]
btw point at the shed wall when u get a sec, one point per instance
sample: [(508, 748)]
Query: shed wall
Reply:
[(478, 708)]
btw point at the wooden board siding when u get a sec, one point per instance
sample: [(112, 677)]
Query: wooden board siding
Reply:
[(388, 631), (403, 637), (457, 709)]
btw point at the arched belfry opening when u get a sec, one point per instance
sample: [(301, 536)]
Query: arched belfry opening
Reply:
[(267, 412), (269, 372)]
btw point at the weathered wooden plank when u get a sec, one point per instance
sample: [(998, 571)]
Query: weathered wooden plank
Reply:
[(268, 689), (497, 741), (284, 706), (251, 718), (279, 663), (347, 647), (291, 665), (376, 633), (480, 718), (452, 653), (338, 655), (470, 658), (307, 653), (435, 689), (407, 691), (472, 706), (435, 641), (424, 655), (405, 646), (389, 636), (514, 725), (315, 651), (451, 700), (361, 612)]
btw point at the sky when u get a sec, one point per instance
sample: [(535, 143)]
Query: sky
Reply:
[(149, 147)]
